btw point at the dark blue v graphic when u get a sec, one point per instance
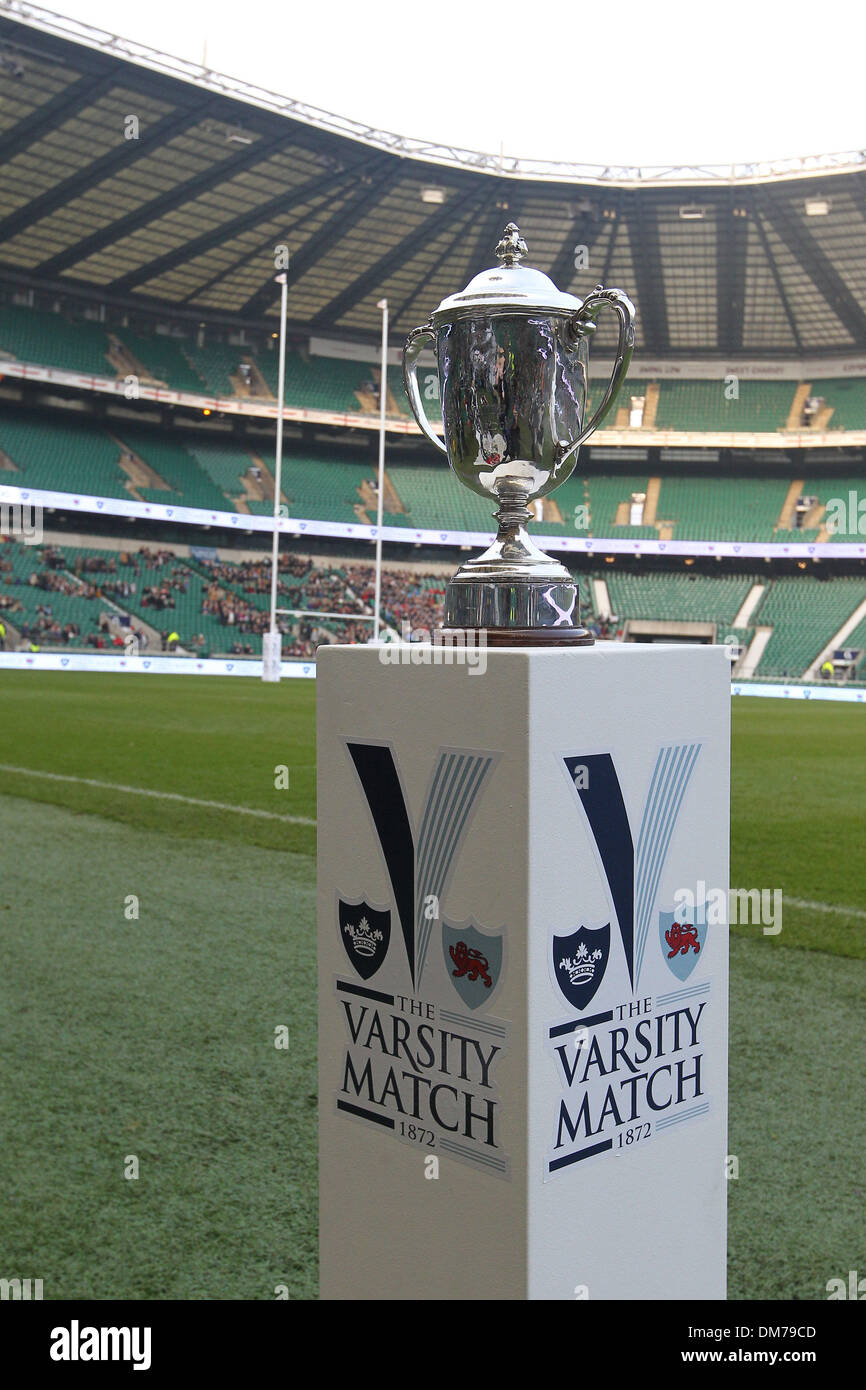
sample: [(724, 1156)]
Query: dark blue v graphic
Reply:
[(601, 797), (374, 764)]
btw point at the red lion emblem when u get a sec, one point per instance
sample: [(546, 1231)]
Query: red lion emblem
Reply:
[(680, 938), (469, 963)]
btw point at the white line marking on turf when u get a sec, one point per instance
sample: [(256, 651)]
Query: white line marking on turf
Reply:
[(162, 796), (303, 820), (825, 907)]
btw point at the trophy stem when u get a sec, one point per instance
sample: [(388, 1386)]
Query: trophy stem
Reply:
[(514, 593), (513, 513)]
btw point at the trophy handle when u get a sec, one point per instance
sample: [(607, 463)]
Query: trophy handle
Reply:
[(584, 322), (414, 344)]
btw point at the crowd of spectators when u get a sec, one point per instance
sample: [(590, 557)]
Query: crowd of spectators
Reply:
[(408, 598), (254, 576), (234, 593), (46, 630), (40, 625)]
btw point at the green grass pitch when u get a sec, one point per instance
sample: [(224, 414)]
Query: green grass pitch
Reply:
[(154, 1037)]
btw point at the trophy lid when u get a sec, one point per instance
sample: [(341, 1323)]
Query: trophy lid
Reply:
[(508, 286)]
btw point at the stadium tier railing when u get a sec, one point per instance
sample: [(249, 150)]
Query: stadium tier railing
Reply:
[(714, 437)]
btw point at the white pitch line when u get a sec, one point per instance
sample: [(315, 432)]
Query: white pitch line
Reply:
[(161, 796), (826, 907), (305, 820)]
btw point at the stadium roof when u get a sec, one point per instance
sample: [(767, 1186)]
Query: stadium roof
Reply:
[(180, 210)]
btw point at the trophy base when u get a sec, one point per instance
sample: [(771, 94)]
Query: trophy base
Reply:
[(514, 593), (516, 611), (526, 636)]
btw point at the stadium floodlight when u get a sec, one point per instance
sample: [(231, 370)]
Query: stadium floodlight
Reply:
[(271, 641), (383, 400)]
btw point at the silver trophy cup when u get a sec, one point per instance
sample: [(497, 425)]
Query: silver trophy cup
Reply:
[(513, 352)]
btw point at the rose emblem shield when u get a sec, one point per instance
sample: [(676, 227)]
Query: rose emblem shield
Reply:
[(682, 935), (473, 960)]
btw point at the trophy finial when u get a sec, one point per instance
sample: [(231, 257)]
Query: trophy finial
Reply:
[(512, 247)]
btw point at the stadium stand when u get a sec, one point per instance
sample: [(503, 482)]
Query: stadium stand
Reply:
[(187, 482), (804, 613), (857, 639), (46, 339), (215, 363), (163, 359), (319, 383), (432, 500), (721, 508), (602, 497), (828, 488), (677, 597), (44, 604), (69, 455), (340, 385), (329, 491), (605, 496), (225, 466), (64, 596), (703, 405), (847, 400), (635, 387), (781, 536)]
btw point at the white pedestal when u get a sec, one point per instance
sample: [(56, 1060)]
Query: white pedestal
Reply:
[(534, 826)]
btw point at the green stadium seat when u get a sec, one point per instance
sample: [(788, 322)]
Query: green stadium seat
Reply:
[(51, 340), (164, 358), (320, 383), (761, 406), (804, 613), (71, 455), (732, 508)]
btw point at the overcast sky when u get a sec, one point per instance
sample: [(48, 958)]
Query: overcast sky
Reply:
[(631, 83)]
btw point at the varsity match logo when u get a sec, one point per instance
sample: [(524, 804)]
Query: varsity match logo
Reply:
[(635, 1067), (418, 1063)]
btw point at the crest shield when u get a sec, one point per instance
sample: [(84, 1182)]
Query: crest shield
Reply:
[(682, 934), (365, 932), (579, 963), (473, 961)]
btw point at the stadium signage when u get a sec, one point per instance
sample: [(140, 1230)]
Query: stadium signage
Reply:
[(311, 526)]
